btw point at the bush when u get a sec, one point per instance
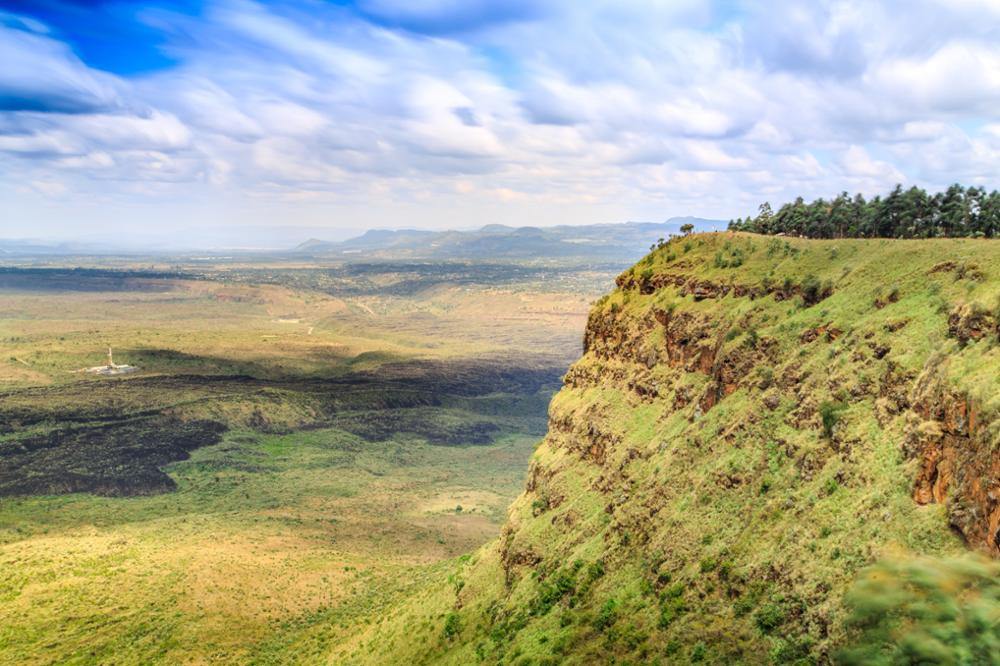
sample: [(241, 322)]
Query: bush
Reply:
[(552, 591), (607, 615), (452, 625), (924, 611), (769, 617), (829, 412), (811, 289), (670, 610), (595, 570)]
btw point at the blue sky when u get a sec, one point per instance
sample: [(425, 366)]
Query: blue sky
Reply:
[(152, 119)]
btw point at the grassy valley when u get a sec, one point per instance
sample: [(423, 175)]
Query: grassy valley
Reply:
[(296, 450)]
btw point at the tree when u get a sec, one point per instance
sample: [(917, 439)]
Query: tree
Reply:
[(911, 213), (687, 228)]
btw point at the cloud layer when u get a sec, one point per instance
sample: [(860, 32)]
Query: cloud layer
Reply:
[(445, 113)]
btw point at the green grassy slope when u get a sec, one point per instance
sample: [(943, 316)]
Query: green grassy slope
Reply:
[(753, 422)]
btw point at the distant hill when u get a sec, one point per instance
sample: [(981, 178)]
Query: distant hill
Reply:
[(31, 247), (497, 241)]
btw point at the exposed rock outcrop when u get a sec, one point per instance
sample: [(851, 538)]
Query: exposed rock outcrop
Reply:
[(958, 462)]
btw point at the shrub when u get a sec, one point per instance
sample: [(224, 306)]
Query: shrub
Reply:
[(924, 611), (552, 591), (595, 570), (452, 625), (769, 617), (607, 615), (675, 591), (811, 289), (829, 412), (765, 377), (743, 605), (671, 608)]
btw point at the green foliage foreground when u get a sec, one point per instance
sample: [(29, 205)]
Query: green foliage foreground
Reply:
[(920, 610)]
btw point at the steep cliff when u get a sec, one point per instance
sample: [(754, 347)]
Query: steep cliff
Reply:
[(753, 421)]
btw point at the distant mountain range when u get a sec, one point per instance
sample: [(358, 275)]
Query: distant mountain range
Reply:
[(35, 248), (497, 241), (606, 242)]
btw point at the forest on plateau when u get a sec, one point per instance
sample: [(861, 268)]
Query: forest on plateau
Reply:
[(913, 213)]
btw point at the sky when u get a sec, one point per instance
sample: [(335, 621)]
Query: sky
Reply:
[(226, 121)]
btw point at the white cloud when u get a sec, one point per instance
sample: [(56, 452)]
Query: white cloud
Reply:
[(638, 109)]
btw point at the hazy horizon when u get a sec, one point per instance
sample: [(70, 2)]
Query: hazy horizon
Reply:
[(259, 238)]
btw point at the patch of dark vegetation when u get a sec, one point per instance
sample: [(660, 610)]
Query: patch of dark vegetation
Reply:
[(112, 437), (406, 278), (117, 459), (84, 279), (379, 426)]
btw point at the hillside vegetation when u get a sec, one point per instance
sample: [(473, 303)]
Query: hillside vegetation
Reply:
[(757, 426)]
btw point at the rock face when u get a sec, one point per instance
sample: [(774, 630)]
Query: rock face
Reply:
[(736, 442), (959, 465), (971, 323)]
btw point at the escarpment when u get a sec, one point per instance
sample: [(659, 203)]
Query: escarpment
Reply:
[(959, 464), (752, 422)]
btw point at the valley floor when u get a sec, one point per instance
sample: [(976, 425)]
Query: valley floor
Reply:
[(273, 548), (289, 464)]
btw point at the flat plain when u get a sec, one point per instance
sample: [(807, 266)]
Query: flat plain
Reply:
[(301, 447)]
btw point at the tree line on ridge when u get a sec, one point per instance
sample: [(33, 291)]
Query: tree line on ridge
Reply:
[(913, 213)]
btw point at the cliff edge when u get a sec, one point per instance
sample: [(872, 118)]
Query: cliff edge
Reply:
[(754, 421)]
